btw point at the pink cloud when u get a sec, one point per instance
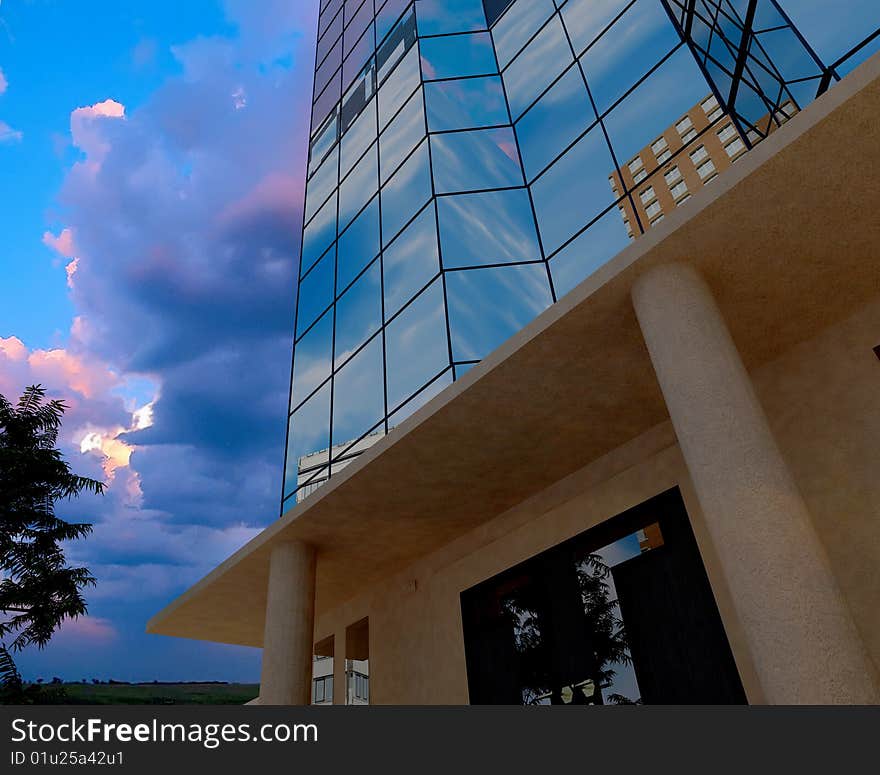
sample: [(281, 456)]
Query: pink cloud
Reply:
[(4, 84), (106, 109), (62, 244), (275, 192), (87, 629), (87, 377), (97, 412), (13, 348)]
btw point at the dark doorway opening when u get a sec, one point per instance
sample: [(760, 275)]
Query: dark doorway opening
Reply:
[(620, 614)]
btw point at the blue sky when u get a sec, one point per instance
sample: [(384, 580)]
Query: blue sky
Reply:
[(56, 57), (151, 165)]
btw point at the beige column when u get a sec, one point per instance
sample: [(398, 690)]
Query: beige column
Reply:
[(803, 641), (290, 613)]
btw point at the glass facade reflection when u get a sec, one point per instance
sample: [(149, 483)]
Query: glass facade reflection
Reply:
[(471, 161)]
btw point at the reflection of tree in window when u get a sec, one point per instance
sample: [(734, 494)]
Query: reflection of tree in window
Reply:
[(605, 626), (523, 616), (529, 610)]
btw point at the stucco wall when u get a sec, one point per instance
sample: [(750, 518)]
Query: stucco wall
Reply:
[(823, 401)]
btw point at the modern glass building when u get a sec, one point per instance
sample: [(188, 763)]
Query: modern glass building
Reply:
[(471, 161), (584, 402)]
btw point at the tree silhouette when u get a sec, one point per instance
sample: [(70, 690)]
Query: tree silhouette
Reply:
[(39, 590)]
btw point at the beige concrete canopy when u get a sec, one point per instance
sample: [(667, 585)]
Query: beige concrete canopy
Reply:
[(788, 242)]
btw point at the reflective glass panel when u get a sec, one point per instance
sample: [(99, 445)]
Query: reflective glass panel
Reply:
[(329, 39), (626, 51), (574, 190), (416, 345), (585, 254), (454, 56), (358, 313), (517, 26), (467, 103), (359, 186), (494, 9), (358, 95), (358, 394), (328, 99), (328, 67), (402, 135), (359, 55), (492, 227), (410, 261), (324, 140), (308, 433), (655, 105), (554, 122), (536, 67), (398, 87), (355, 26), (405, 194), (398, 42), (387, 16), (463, 368), (358, 245), (439, 17), (487, 306), (585, 19), (414, 404), (321, 184), (318, 235), (328, 15), (358, 138), (311, 363), (315, 291), (475, 160)]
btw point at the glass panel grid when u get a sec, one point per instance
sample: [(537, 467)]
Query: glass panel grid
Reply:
[(473, 160)]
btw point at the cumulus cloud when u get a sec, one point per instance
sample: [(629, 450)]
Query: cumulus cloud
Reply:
[(96, 414), (88, 131), (59, 369), (70, 271), (181, 221), (61, 244), (89, 629), (106, 109)]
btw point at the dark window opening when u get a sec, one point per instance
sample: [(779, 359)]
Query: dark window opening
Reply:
[(621, 614)]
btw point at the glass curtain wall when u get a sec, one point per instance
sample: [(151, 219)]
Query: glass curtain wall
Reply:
[(471, 161)]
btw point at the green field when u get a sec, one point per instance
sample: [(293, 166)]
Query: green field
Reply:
[(159, 694)]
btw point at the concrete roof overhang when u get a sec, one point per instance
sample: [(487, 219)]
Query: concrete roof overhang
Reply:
[(789, 241)]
